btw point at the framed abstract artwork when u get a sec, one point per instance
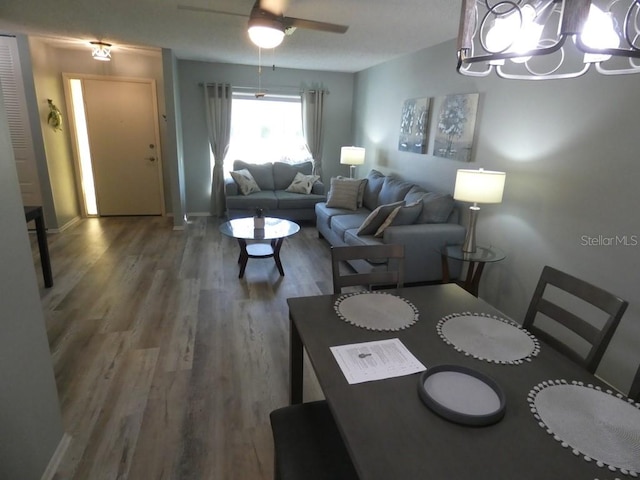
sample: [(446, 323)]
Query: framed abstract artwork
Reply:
[(455, 126), (413, 126)]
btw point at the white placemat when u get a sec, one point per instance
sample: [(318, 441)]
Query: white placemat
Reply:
[(376, 310), (489, 338), (601, 426)]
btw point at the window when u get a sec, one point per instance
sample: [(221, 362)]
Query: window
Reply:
[(264, 130)]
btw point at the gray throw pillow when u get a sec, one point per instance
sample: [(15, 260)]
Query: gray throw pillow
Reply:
[(372, 188), (245, 181), (362, 182), (343, 193), (402, 215), (302, 183), (376, 218), (436, 208)]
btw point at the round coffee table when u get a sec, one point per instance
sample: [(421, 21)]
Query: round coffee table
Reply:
[(265, 242)]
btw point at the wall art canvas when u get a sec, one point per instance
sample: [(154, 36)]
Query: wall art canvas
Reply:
[(413, 126), (455, 126)]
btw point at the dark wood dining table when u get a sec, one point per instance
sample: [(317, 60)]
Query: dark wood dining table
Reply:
[(391, 434)]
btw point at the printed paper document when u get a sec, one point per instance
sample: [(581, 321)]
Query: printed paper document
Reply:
[(364, 362)]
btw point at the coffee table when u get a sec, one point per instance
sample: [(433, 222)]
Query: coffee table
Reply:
[(265, 242)]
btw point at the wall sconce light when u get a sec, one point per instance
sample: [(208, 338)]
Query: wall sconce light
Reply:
[(548, 39), (352, 156), (101, 51), (477, 186)]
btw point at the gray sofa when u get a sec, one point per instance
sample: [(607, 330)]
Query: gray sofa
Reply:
[(422, 234), (273, 199)]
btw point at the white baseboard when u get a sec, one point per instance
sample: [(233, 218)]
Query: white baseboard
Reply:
[(61, 449)]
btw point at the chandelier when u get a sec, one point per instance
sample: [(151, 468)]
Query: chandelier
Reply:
[(548, 39), (101, 51)]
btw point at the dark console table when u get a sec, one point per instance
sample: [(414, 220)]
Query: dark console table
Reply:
[(35, 213)]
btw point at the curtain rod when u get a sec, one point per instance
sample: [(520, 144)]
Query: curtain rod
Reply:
[(277, 88)]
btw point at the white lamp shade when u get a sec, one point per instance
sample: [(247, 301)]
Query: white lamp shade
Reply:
[(352, 155), (265, 37), (479, 186)]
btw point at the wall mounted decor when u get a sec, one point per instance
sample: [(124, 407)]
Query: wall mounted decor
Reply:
[(455, 126), (413, 126), (54, 119)]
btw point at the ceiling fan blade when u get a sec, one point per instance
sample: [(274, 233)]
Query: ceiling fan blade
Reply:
[(277, 7), (192, 8), (314, 25)]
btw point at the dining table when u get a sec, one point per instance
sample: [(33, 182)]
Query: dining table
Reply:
[(391, 433)]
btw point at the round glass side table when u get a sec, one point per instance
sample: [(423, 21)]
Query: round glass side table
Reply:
[(476, 262)]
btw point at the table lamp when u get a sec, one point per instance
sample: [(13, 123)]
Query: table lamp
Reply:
[(477, 186), (352, 156)]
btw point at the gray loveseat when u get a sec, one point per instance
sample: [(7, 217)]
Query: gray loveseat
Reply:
[(273, 180), (425, 222)]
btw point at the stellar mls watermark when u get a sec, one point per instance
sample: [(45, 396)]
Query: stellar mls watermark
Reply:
[(610, 241)]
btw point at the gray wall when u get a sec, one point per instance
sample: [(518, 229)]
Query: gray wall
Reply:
[(570, 150), (197, 169), (30, 421)]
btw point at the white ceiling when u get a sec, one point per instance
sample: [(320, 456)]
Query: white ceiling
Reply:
[(378, 29)]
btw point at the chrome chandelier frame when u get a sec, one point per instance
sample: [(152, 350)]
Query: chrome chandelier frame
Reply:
[(561, 22)]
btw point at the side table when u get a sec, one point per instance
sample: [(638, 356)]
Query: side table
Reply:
[(35, 213), (476, 261)]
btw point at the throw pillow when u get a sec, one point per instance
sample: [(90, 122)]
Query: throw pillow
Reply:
[(245, 181), (343, 193), (362, 182), (436, 208), (302, 183), (375, 218), (402, 215)]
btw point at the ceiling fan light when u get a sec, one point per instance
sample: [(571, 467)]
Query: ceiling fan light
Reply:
[(266, 37)]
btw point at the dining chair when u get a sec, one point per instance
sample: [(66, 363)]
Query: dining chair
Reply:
[(388, 260), (580, 339), (307, 444), (634, 391)]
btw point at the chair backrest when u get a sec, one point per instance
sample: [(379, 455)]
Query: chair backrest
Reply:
[(393, 274), (634, 391), (596, 338)]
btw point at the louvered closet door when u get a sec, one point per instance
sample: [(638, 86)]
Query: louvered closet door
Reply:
[(15, 104)]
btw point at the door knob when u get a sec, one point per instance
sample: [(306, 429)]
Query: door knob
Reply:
[(151, 159)]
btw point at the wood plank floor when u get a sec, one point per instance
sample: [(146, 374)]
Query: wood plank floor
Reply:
[(167, 364)]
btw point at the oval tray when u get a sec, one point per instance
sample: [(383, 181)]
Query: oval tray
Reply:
[(462, 395)]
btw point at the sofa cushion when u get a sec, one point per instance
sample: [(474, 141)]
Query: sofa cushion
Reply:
[(393, 190), (372, 188), (362, 182), (262, 173), (302, 183), (284, 173), (402, 215), (414, 194), (343, 193), (375, 218), (265, 199), (245, 181), (436, 208), (342, 223), (291, 201)]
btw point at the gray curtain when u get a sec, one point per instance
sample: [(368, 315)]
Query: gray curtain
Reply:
[(217, 100), (312, 125)]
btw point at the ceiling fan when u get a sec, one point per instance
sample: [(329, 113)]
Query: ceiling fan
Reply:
[(267, 23)]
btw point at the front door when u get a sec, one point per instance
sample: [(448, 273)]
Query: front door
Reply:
[(124, 141)]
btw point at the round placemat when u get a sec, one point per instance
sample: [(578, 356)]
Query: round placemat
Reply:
[(376, 310), (601, 426), (489, 338)]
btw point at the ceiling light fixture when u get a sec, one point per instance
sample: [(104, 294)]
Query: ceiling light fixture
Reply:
[(548, 39), (266, 29), (101, 51)]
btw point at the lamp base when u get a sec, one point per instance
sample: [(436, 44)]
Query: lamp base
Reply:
[(352, 171), (469, 245)]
